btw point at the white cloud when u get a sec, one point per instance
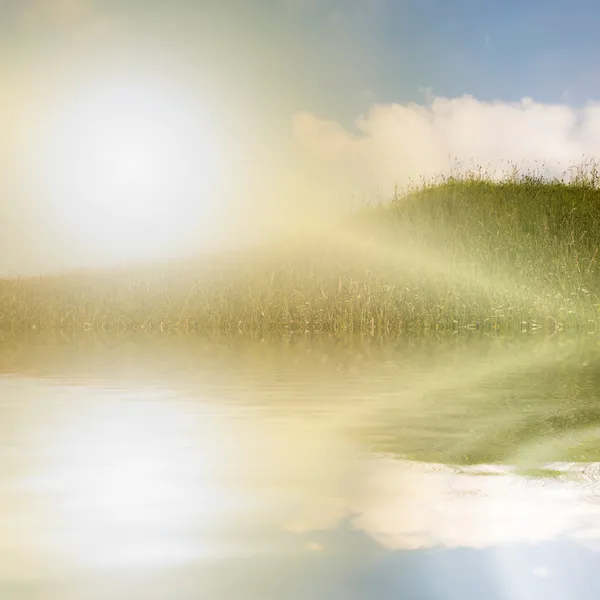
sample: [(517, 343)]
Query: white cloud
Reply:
[(397, 142)]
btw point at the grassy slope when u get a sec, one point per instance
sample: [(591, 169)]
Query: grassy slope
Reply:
[(464, 253)]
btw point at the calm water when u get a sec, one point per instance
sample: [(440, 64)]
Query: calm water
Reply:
[(165, 468)]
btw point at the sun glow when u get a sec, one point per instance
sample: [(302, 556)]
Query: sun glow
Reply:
[(130, 167)]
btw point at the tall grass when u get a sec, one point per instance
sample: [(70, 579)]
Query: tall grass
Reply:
[(466, 252)]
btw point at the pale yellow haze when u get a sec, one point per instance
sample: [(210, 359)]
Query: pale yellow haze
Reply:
[(120, 144), (115, 148), (111, 166)]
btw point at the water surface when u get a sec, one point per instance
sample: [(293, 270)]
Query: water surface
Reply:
[(161, 467)]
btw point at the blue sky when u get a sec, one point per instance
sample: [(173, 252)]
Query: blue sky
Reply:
[(343, 53), (333, 56)]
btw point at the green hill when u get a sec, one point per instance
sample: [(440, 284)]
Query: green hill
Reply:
[(520, 254)]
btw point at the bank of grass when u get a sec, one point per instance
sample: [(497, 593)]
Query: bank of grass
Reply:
[(461, 253)]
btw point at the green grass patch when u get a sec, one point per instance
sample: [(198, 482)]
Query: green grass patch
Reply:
[(464, 253)]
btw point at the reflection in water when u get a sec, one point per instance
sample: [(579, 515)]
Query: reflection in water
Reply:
[(126, 473), (138, 478), (406, 505), (113, 474), (300, 471)]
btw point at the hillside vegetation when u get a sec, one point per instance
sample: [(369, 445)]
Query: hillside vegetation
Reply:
[(469, 252)]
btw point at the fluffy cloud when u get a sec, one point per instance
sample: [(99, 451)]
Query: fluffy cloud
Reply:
[(395, 143)]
